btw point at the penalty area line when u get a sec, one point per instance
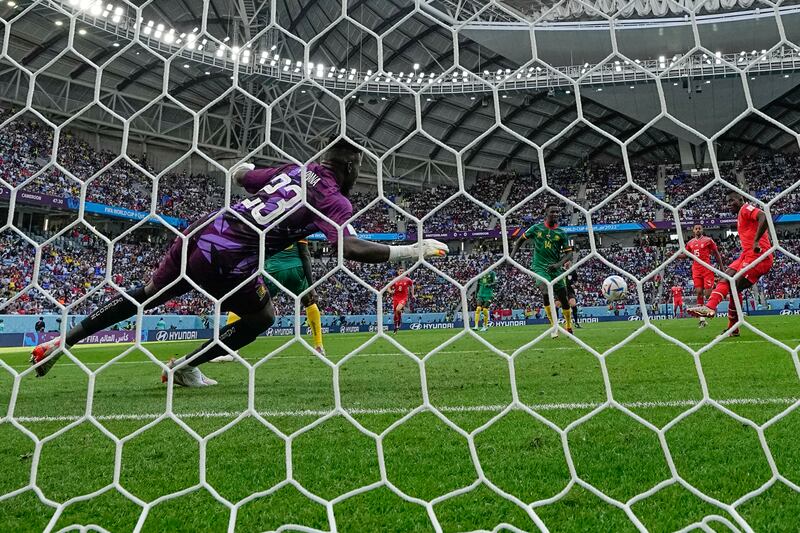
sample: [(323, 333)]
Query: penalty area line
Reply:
[(403, 411)]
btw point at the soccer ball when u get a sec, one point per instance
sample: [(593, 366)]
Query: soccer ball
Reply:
[(614, 288)]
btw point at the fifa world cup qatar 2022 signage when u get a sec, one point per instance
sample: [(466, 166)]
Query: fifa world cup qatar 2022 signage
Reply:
[(597, 228), (72, 204)]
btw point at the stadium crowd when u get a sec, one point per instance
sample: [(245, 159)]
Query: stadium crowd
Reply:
[(74, 263), (71, 266), (26, 144), (630, 204), (764, 176), (767, 176)]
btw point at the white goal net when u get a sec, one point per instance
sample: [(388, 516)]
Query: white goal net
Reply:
[(455, 143)]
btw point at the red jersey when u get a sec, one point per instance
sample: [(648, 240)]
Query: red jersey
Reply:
[(401, 288), (677, 293), (747, 225), (702, 248)]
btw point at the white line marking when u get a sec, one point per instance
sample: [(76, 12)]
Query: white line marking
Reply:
[(402, 411), (283, 355)]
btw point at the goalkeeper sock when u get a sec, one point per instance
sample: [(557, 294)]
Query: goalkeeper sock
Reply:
[(115, 310), (549, 314), (486, 316), (477, 316), (315, 323), (235, 336), (567, 312)]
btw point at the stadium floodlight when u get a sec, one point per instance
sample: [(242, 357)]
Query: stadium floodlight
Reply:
[(59, 23)]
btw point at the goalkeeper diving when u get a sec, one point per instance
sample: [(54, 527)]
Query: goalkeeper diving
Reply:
[(222, 256)]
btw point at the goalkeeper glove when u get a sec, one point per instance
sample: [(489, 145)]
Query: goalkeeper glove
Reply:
[(238, 171), (430, 248)]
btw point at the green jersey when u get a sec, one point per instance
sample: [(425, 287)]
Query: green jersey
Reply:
[(486, 283), (549, 245), (285, 259)]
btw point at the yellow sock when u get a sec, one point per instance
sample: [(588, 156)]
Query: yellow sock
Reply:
[(232, 317), (549, 312), (477, 316), (485, 316), (567, 312), (315, 323)]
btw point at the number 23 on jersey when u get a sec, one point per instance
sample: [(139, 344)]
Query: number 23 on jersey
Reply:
[(264, 214)]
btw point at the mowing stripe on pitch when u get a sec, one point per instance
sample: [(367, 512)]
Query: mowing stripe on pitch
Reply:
[(282, 355), (402, 411)]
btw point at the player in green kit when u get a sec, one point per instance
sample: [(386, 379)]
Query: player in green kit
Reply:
[(292, 268), (484, 297), (551, 250)]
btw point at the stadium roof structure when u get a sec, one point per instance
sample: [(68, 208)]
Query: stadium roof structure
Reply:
[(459, 79)]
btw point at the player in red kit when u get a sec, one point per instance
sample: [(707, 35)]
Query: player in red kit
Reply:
[(701, 247), (752, 227), (677, 300), (401, 289)]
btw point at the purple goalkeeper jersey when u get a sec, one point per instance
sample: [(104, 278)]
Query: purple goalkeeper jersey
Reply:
[(231, 246)]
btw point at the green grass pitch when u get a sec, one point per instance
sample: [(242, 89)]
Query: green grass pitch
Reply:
[(522, 470)]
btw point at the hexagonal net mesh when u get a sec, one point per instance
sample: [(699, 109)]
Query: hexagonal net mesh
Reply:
[(255, 114)]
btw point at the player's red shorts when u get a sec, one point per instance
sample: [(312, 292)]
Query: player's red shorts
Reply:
[(703, 278), (757, 271), (677, 303), (399, 302)]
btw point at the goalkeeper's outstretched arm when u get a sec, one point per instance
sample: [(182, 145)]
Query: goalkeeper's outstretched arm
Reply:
[(371, 252)]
